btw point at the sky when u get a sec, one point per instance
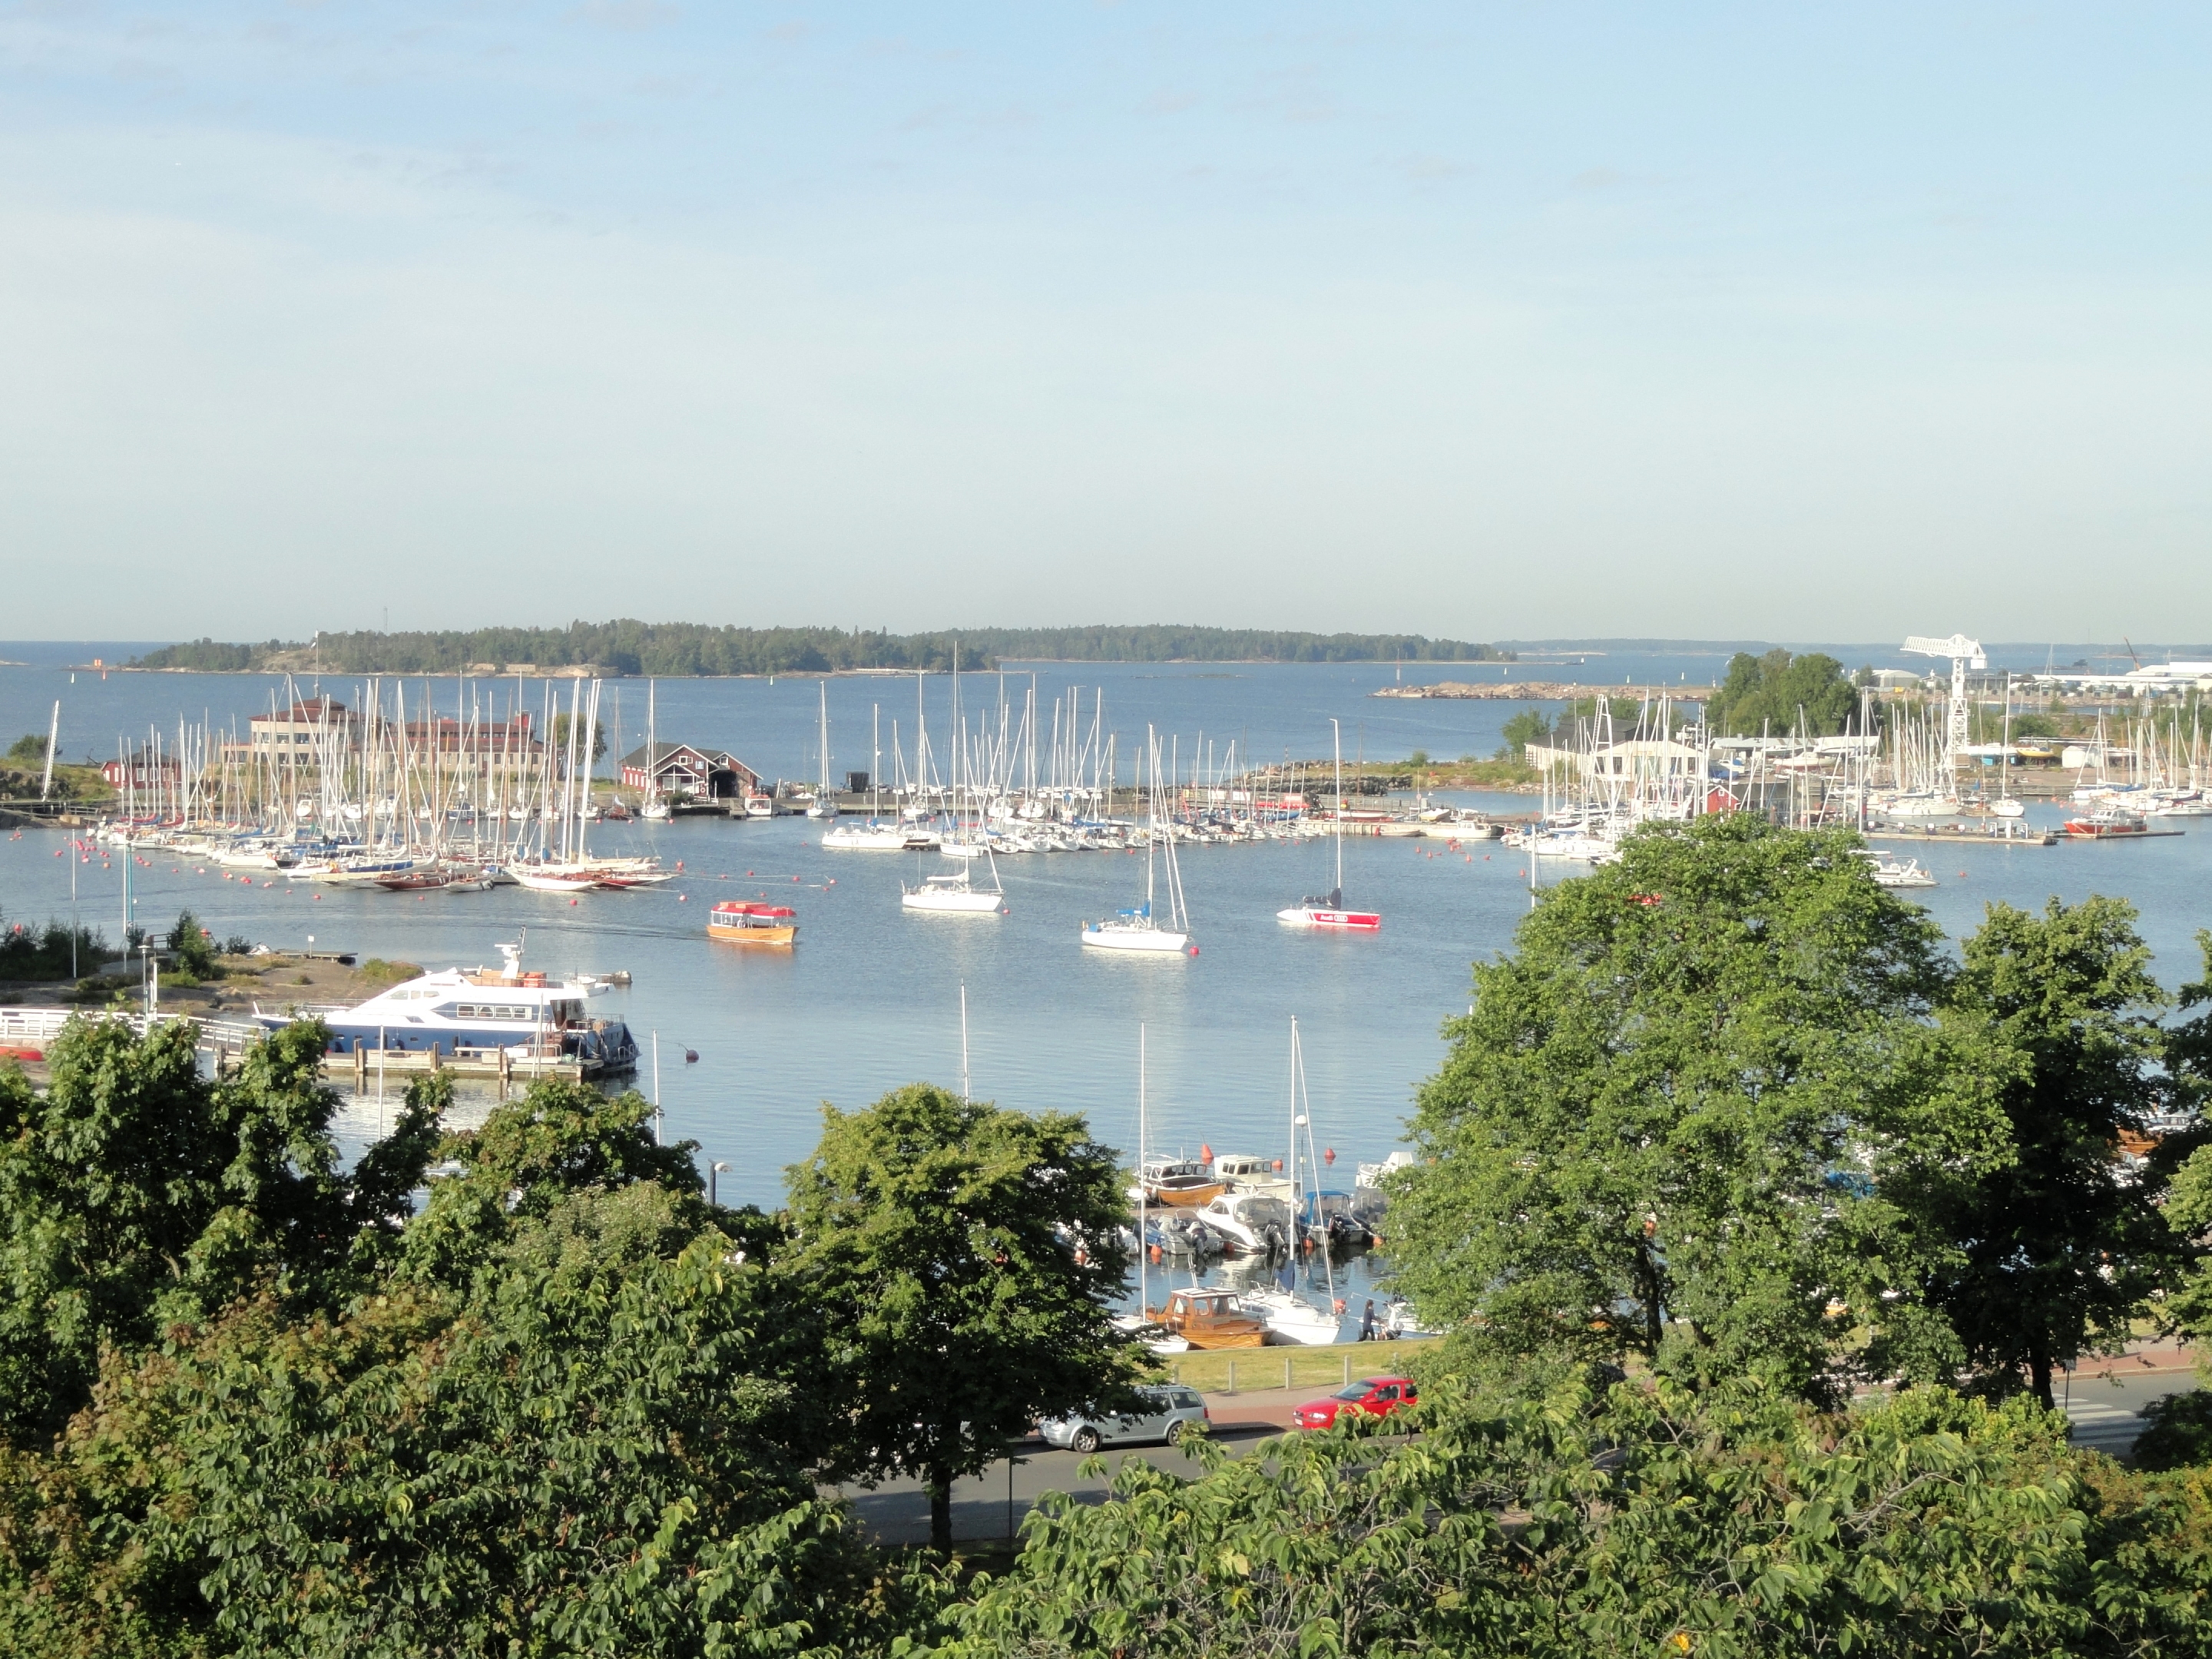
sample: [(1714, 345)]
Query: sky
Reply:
[(1475, 320)]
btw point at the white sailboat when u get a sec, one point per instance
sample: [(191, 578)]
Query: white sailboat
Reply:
[(1328, 910), (654, 807), (1141, 930), (955, 892), (1140, 1324), (2008, 806), (825, 803), (876, 836), (1289, 1317)]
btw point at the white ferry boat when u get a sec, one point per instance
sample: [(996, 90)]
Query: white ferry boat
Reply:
[(479, 1011)]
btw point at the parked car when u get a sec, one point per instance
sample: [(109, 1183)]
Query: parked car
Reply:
[(1370, 1396), (1170, 1412)]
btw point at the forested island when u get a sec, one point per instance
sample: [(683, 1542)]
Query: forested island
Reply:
[(674, 650)]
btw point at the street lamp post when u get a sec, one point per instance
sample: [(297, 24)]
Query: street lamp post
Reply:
[(714, 1170)]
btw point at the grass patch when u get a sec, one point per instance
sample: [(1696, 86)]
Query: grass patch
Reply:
[(377, 971), (1317, 1368)]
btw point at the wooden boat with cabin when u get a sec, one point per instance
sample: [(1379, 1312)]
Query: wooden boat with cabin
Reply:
[(1211, 1319), (738, 922)]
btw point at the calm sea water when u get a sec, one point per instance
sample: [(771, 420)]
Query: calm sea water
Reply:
[(871, 997)]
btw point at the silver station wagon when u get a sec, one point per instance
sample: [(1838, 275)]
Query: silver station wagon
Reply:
[(1169, 1412)]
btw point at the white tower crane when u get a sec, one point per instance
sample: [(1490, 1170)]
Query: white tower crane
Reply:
[(1964, 653)]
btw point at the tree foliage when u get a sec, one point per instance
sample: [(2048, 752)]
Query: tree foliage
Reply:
[(1773, 692), (963, 1257), (136, 1193), (1698, 1116), (2060, 1249), (1561, 1526), (693, 649)]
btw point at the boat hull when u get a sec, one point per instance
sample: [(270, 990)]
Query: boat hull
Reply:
[(753, 935), (952, 904), (1149, 941), (1188, 1198), (1341, 922)]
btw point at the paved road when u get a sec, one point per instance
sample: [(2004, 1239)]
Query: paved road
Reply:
[(2102, 1407)]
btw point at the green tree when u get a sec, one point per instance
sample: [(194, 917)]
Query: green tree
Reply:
[(1773, 693), (2059, 1247), (601, 1446), (30, 748), (963, 1257), (1698, 1116), (136, 1193), (598, 731), (1528, 726), (190, 947), (1561, 1526)]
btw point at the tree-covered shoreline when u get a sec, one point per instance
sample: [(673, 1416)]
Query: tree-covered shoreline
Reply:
[(681, 650)]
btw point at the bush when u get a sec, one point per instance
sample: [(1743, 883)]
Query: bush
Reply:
[(29, 747), (2180, 1431), (377, 971), (190, 948), (44, 953), (238, 946)]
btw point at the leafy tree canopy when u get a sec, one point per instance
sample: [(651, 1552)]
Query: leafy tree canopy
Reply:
[(31, 747), (1696, 1116), (136, 1193), (1560, 1527), (963, 1256), (1773, 692), (2061, 1247)]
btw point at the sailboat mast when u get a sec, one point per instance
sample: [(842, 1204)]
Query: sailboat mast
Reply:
[(1143, 1282), (1336, 727)]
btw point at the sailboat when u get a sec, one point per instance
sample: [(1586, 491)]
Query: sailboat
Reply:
[(825, 802), (954, 892), (1328, 910), (654, 807), (876, 836), (2007, 804), (1288, 1317), (1140, 1324), (1139, 929)]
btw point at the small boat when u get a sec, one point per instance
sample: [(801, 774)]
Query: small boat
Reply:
[(1258, 1222), (1156, 1337), (760, 807), (1889, 871), (1211, 1319), (1136, 930), (824, 804), (2108, 823), (552, 878), (738, 922), (1328, 911), (1180, 1186), (875, 837), (415, 880)]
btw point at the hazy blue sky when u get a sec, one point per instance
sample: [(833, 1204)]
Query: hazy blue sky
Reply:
[(1488, 320)]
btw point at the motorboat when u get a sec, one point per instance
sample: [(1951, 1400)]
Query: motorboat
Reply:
[(1890, 871), (1211, 1319), (1243, 1173), (1179, 1185), (1257, 1222), (1153, 1335), (460, 1012), (736, 922), (760, 807), (2107, 823)]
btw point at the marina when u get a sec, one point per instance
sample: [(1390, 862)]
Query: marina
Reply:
[(865, 1000)]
